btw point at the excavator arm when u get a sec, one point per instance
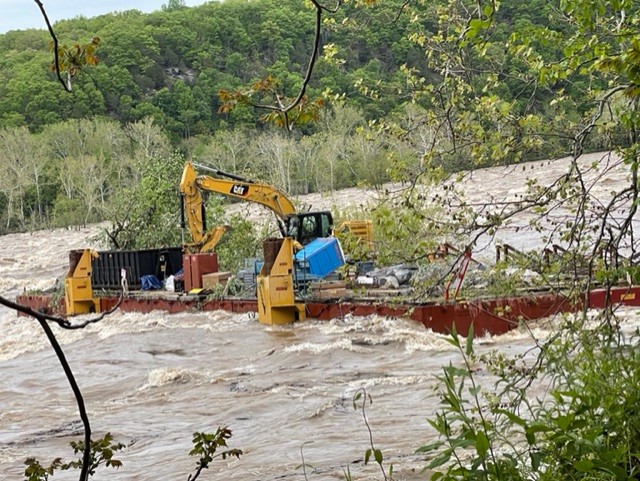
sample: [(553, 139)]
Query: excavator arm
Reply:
[(193, 215), (303, 227), (192, 187), (263, 194), (209, 241)]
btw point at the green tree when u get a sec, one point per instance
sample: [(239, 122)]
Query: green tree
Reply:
[(173, 5), (147, 214)]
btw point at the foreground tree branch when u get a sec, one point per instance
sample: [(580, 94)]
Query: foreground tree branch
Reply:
[(55, 46), (280, 108), (70, 60), (86, 456), (43, 320)]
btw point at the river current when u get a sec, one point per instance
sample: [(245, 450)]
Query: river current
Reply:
[(152, 380)]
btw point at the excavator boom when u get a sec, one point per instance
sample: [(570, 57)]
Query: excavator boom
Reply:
[(263, 194), (303, 227)]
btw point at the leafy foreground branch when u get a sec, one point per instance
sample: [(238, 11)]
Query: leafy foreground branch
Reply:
[(205, 445), (101, 452), (43, 320), (571, 413), (361, 396), (86, 463), (360, 400)]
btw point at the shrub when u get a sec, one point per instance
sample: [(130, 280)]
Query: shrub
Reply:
[(585, 426)]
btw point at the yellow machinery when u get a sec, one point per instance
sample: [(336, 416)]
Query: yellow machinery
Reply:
[(202, 240), (208, 241), (78, 293), (303, 227), (276, 295), (362, 230)]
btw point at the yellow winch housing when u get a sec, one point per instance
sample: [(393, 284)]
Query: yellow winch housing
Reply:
[(78, 292)]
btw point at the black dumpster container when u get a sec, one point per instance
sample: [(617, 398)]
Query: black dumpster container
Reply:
[(107, 266)]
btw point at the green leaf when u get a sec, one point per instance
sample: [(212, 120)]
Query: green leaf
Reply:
[(356, 398), (474, 27), (429, 447), (515, 419), (439, 460), (378, 456), (536, 459), (538, 427), (454, 332), (531, 437), (584, 465), (469, 347), (482, 443), (564, 421), (456, 371)]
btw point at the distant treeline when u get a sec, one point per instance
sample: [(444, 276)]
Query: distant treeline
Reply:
[(171, 64), (84, 171)]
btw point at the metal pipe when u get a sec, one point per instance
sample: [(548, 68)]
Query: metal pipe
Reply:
[(221, 173), (183, 223)]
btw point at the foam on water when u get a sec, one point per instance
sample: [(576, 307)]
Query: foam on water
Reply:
[(376, 330), (318, 348), (135, 322), (390, 381), (24, 334), (167, 376)]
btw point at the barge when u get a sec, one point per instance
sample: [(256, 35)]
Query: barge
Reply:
[(489, 316), (92, 283)]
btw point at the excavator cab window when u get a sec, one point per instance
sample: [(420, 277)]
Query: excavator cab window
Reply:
[(326, 220), (308, 226), (293, 227)]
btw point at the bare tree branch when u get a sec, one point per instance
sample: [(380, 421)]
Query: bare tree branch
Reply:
[(55, 45), (281, 109), (62, 322), (43, 321)]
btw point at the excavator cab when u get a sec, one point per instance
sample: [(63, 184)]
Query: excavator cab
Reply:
[(307, 226)]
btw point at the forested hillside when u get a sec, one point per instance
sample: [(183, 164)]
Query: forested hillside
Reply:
[(402, 87), (171, 64)]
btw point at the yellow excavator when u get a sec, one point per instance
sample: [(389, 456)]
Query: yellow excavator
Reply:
[(275, 283), (302, 227)]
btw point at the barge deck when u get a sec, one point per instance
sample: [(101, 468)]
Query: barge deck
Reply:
[(491, 315)]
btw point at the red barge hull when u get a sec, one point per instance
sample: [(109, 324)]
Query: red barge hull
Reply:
[(493, 316)]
